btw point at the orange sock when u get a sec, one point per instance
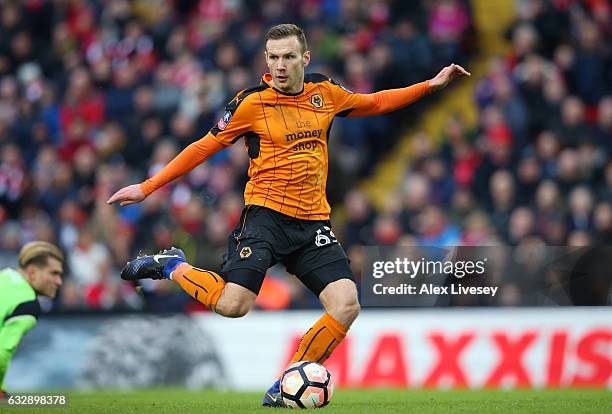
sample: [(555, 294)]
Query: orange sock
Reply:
[(319, 342), (202, 285)]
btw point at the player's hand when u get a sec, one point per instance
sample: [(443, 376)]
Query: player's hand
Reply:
[(127, 195), (446, 75)]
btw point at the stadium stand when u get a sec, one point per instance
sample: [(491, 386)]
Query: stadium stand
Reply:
[(105, 93)]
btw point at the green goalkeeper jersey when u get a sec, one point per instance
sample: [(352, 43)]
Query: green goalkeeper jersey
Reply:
[(19, 311)]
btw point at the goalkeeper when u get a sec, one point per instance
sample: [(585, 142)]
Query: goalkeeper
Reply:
[(39, 272)]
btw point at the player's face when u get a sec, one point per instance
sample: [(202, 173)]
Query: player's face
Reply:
[(46, 280), (286, 62)]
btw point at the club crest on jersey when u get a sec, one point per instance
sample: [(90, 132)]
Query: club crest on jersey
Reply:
[(222, 124), (245, 252), (316, 100)]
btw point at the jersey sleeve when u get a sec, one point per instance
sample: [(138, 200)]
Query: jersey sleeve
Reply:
[(15, 326), (347, 103), (236, 121), (192, 156)]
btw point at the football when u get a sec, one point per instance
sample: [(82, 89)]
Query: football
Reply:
[(306, 384)]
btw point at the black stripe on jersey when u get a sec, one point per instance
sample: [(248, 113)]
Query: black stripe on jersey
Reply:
[(313, 195), (252, 143), (329, 130), (263, 111), (26, 308), (345, 113), (340, 85), (287, 185), (299, 203), (297, 107), (234, 103), (261, 87), (280, 108), (316, 78)]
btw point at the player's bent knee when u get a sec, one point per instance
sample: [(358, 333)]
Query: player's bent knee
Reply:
[(233, 310), (235, 301), (355, 309), (345, 312), (340, 299), (350, 310)]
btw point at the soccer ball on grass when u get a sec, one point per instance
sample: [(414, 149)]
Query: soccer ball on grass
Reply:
[(306, 384)]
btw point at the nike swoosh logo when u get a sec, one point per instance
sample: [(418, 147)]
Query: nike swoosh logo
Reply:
[(164, 256), (271, 397)]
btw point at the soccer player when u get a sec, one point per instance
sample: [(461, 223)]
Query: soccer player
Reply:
[(39, 272), (285, 122)]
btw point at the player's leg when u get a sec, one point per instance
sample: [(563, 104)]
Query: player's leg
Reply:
[(233, 298), (338, 293), (341, 301), (335, 288), (235, 301), (230, 298), (323, 266), (248, 257), (204, 286)]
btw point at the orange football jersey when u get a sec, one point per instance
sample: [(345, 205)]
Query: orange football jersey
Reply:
[(286, 136)]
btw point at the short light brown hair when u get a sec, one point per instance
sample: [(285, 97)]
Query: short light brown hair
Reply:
[(37, 253), (282, 31)]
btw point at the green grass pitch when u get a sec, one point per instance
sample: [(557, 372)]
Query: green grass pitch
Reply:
[(171, 401)]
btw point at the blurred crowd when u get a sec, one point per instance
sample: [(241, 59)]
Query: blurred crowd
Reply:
[(97, 94), (537, 169)]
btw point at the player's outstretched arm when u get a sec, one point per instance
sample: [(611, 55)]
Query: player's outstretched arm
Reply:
[(10, 336), (195, 154), (393, 99), (128, 195), (446, 75)]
